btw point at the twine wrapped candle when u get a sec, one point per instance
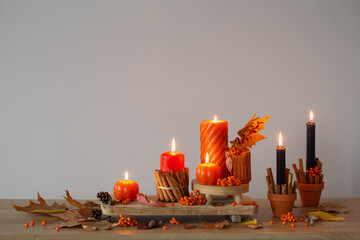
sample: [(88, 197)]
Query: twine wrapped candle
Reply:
[(214, 141)]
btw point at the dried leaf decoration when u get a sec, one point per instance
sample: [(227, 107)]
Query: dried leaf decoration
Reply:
[(219, 225), (248, 221), (333, 207), (249, 134), (326, 216), (188, 226), (102, 225), (84, 211), (255, 226), (41, 207)]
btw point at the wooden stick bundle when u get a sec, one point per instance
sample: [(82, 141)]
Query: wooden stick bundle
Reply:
[(172, 186), (307, 178), (288, 188)]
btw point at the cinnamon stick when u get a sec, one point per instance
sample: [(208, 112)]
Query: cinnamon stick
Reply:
[(166, 184), (317, 179), (268, 183), (290, 178), (286, 174), (290, 189), (295, 186), (277, 189), (165, 194), (270, 174), (160, 195), (295, 171), (301, 165), (173, 184), (178, 179), (283, 189)]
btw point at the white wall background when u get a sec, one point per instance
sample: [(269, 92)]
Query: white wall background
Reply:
[(89, 89)]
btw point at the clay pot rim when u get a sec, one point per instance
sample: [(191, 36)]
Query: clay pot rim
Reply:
[(308, 187), (282, 197)]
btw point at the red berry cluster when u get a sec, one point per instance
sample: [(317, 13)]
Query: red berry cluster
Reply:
[(314, 171), (194, 199), (229, 181)]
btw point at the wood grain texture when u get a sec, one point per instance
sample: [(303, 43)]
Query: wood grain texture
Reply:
[(217, 190), (134, 209), (12, 226)]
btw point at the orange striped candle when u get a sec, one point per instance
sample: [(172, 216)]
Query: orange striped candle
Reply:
[(214, 140)]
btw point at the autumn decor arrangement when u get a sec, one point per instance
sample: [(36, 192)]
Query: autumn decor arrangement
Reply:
[(238, 156), (282, 197), (311, 183), (223, 171)]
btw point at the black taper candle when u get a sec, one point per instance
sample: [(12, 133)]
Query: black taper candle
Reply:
[(310, 145), (280, 165)]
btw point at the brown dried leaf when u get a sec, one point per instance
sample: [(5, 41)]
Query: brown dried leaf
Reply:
[(219, 225), (41, 207), (72, 201), (91, 204), (70, 216), (102, 225), (255, 226), (188, 226), (333, 208)]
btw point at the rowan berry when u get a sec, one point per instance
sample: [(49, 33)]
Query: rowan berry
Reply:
[(32, 223), (44, 223), (271, 222), (293, 225), (57, 228), (306, 224), (26, 225), (284, 223), (164, 227)]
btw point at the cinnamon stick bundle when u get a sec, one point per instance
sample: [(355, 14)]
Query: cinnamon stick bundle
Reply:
[(172, 186), (307, 178)]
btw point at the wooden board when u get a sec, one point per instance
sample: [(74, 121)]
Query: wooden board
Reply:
[(134, 208)]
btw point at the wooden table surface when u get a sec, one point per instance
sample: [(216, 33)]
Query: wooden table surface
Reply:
[(12, 226)]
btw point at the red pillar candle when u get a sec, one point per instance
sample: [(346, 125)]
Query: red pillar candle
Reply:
[(126, 189), (214, 140), (208, 173), (172, 161)]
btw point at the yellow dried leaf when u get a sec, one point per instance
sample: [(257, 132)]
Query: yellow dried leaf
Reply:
[(326, 216), (248, 221)]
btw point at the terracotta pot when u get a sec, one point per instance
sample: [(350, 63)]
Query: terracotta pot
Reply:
[(281, 204), (310, 194)]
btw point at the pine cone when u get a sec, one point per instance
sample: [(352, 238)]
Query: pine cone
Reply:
[(96, 213), (104, 197)]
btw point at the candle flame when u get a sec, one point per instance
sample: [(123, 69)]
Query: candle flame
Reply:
[(207, 158), (215, 119), (173, 145), (126, 175), (280, 140), (311, 116)]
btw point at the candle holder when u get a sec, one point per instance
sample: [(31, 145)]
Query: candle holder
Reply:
[(311, 183), (241, 165), (282, 197), (172, 186)]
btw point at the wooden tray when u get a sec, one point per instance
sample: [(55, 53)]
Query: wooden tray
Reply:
[(214, 190), (134, 208)]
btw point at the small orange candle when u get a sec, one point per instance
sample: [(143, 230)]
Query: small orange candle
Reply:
[(214, 140), (208, 173), (126, 189)]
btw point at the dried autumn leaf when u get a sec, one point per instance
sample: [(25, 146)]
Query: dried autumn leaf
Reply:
[(64, 225), (333, 207), (83, 210), (70, 216), (326, 216), (41, 207), (102, 225), (248, 221), (188, 226), (249, 133), (219, 225), (72, 201), (255, 226)]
